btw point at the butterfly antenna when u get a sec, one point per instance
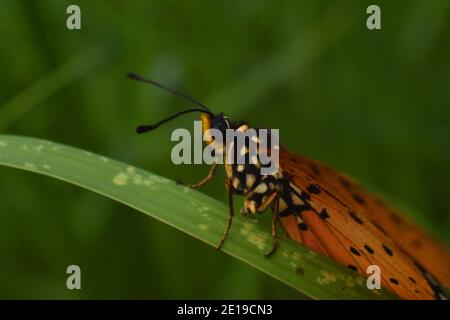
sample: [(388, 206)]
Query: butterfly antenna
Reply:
[(145, 128), (137, 77)]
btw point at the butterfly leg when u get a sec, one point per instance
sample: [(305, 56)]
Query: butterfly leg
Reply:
[(211, 174), (230, 212), (286, 234), (275, 220)]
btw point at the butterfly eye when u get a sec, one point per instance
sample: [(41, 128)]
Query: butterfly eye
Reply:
[(221, 123)]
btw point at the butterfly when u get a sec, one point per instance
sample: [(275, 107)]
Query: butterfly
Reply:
[(329, 213)]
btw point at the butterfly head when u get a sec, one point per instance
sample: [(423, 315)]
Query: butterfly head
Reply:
[(209, 120)]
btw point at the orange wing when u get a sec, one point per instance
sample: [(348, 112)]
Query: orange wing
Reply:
[(358, 229)]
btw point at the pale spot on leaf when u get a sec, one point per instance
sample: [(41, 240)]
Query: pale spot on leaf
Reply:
[(138, 180), (348, 280), (131, 169), (247, 228), (3, 144), (257, 239), (326, 277), (120, 179), (150, 184), (360, 280), (30, 166), (295, 256), (38, 148), (203, 226), (186, 189), (377, 292), (160, 179)]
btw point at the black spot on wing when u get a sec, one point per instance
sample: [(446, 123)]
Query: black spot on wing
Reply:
[(344, 182), (324, 214), (315, 169), (355, 217), (358, 199), (294, 209), (369, 249), (305, 196), (355, 251), (303, 226), (387, 250), (352, 267), (394, 281), (313, 188), (395, 218)]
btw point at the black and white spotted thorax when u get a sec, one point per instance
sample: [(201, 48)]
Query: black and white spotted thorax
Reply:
[(262, 190)]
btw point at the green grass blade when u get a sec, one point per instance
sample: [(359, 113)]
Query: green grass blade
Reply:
[(189, 211)]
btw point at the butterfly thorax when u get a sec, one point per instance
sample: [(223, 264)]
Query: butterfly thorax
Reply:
[(261, 190)]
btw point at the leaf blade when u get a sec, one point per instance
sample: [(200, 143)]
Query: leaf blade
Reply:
[(189, 211)]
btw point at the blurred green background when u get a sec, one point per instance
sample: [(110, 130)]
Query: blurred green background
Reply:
[(374, 104)]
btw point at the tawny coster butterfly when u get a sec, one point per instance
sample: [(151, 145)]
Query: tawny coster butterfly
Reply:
[(331, 214)]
